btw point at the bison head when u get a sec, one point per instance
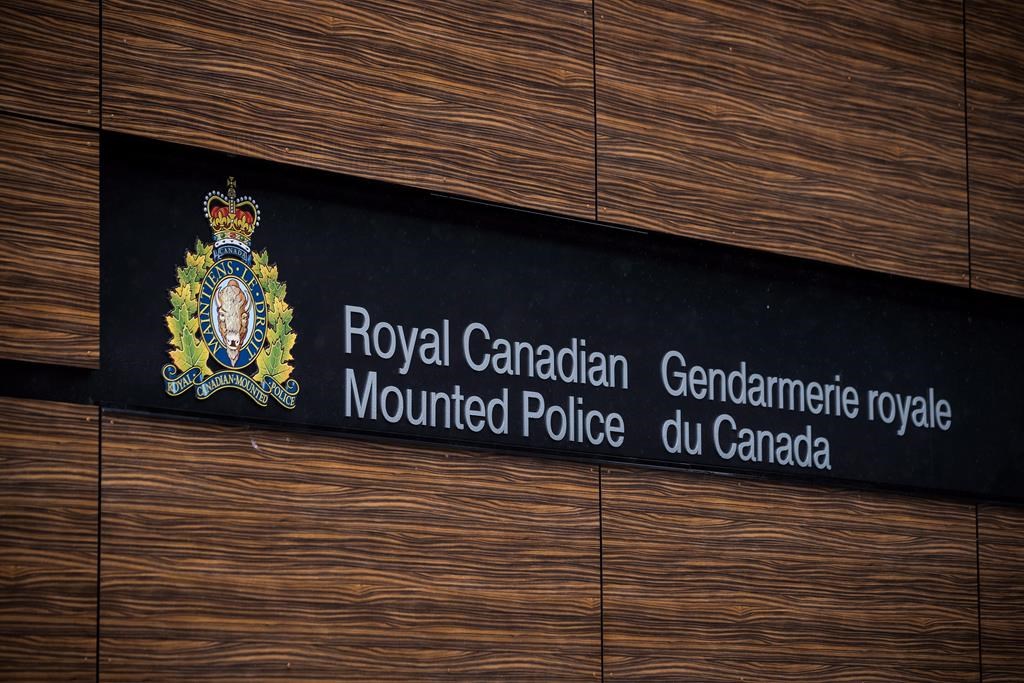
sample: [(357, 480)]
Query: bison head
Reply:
[(232, 317)]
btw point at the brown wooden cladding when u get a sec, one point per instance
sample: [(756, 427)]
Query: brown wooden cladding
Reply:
[(490, 100), (49, 232), (48, 490), (724, 579), (828, 130), (995, 99), (1001, 566), (50, 59), (233, 553)]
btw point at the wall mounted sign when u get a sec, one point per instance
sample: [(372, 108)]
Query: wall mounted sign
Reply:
[(425, 317)]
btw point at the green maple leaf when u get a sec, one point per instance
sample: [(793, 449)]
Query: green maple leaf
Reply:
[(191, 354), (287, 344), (270, 363), (203, 249), (182, 317), (274, 359), (204, 357), (282, 329), (188, 348)]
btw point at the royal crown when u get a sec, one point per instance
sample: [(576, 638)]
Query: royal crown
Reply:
[(233, 220)]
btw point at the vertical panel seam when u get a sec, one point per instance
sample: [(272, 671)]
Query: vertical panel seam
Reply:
[(600, 548), (593, 80), (99, 449), (99, 81), (977, 583), (967, 144), (99, 529)]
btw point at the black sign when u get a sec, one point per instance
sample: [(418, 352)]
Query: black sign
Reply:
[(311, 299)]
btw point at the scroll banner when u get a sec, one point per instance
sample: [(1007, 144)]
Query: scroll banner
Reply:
[(177, 383)]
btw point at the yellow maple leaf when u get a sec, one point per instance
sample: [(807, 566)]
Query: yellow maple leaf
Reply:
[(283, 374), (204, 357), (175, 329), (261, 364), (180, 362)]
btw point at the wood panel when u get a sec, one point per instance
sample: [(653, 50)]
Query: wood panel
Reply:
[(49, 233), (231, 553), (490, 100), (50, 59), (48, 491), (724, 579), (1001, 566), (827, 130), (995, 126)]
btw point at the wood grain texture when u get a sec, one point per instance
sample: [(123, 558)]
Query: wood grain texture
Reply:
[(49, 243), (489, 100), (231, 553), (1001, 566), (48, 489), (50, 59), (827, 130), (995, 127), (711, 578)]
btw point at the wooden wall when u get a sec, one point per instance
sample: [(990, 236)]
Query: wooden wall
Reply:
[(722, 579), (236, 553), (50, 59), (490, 100), (827, 130), (48, 524), (231, 553), (995, 96), (1001, 567), (49, 182), (49, 226)]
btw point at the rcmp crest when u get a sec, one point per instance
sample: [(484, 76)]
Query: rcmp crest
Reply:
[(230, 325)]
